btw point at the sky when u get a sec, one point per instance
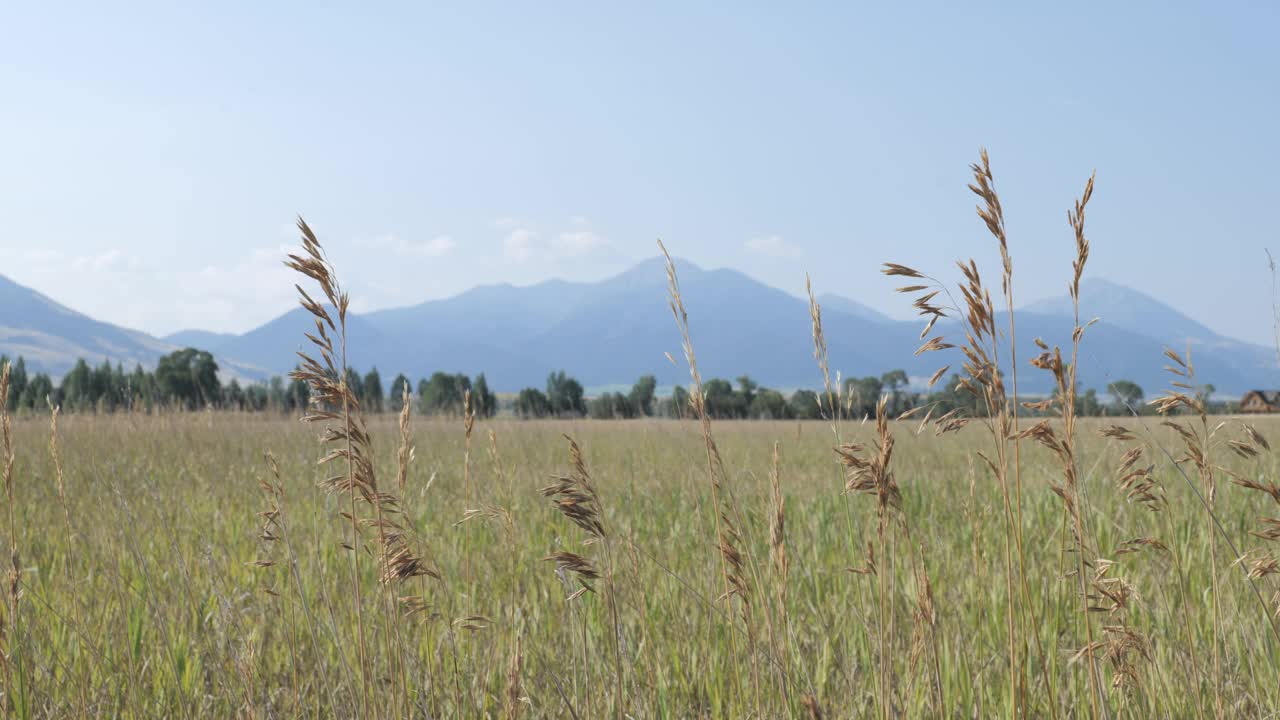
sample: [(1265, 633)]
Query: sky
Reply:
[(153, 157)]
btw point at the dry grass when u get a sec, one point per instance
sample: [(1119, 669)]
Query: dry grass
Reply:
[(672, 630)]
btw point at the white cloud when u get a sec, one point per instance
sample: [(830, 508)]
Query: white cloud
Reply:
[(110, 260), (577, 243), (438, 246), (522, 243), (519, 244), (772, 246)]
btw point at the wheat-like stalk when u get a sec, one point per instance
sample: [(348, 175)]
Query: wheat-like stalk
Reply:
[(575, 497), (872, 474), (1063, 445), (405, 456), (732, 562), (778, 534), (334, 403), (1198, 442), (9, 628), (984, 380), (514, 693)]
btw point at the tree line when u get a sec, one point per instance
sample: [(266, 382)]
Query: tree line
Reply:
[(188, 379)]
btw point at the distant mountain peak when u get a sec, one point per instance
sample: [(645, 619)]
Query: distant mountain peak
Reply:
[(1121, 306), (652, 269)]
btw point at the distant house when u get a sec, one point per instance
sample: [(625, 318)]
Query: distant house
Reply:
[(1260, 401)]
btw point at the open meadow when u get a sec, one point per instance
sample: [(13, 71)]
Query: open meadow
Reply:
[(145, 590), (995, 556)]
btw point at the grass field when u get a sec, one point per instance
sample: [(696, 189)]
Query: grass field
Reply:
[(1000, 559), (144, 599)]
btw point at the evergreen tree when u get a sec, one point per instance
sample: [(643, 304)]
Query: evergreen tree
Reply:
[(804, 405), (77, 387), (486, 402), (372, 395), (641, 396), (442, 394), (188, 378), (678, 404), (532, 403), (39, 392), (356, 385), (565, 395), (17, 382), (233, 396), (770, 405), (395, 399), (297, 397)]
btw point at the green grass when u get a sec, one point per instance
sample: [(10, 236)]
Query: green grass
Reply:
[(150, 604)]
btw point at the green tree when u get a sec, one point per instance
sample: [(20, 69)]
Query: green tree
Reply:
[(38, 390), (678, 404), (721, 400), (804, 405), (1088, 405), (77, 387), (356, 385), (486, 403), (141, 389), (1204, 393), (611, 406), (17, 381), (277, 394), (233, 396), (531, 402), (747, 388), (442, 394), (641, 397), (565, 395), (256, 397), (188, 378), (862, 394), (1127, 394), (770, 405), (372, 395), (954, 396), (894, 380), (119, 387), (297, 397), (395, 400)]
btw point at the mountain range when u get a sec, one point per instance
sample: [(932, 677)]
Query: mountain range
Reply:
[(610, 332)]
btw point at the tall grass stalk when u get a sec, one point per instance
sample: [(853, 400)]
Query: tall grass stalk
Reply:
[(732, 573), (10, 629)]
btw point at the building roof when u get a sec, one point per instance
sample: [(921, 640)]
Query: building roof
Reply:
[(1270, 397)]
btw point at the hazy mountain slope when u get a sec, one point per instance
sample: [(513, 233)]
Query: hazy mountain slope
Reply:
[(739, 326), (415, 353), (612, 331), (839, 303), (492, 311), (1229, 364), (52, 336), (1126, 308), (200, 339)]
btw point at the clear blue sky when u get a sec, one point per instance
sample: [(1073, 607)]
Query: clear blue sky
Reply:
[(152, 158)]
